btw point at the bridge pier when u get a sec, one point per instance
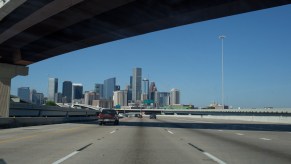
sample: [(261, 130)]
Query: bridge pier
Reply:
[(7, 72)]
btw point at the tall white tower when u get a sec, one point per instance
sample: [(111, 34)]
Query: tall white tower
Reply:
[(52, 88), (174, 96)]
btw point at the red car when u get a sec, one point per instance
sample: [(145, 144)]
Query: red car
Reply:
[(108, 116)]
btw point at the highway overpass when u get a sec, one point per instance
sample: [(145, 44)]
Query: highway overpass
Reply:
[(35, 30), (23, 114)]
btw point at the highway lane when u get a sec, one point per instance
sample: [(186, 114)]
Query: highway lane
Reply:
[(236, 145), (44, 144), (139, 144), (165, 140)]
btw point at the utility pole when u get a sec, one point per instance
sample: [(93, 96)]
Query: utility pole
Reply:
[(222, 37)]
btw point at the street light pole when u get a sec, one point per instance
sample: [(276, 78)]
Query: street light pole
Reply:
[(222, 71)]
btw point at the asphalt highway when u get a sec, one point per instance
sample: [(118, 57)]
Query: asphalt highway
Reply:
[(167, 140)]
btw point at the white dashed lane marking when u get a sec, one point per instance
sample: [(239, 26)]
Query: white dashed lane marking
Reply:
[(214, 158), (112, 132), (170, 132), (70, 155), (266, 139), (239, 134), (66, 157), (219, 161)]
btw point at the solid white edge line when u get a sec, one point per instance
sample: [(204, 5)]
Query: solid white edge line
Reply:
[(170, 132), (266, 139), (194, 121), (214, 158), (65, 158), (112, 132)]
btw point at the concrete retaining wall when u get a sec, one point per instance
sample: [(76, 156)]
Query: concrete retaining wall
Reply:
[(271, 119), (32, 121), (268, 119)]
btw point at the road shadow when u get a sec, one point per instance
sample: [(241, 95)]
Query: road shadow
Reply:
[(215, 126), (2, 161)]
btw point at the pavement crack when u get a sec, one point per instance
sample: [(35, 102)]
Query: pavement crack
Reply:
[(196, 147), (84, 147)]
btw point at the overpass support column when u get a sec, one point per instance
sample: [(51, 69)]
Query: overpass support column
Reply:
[(7, 72)]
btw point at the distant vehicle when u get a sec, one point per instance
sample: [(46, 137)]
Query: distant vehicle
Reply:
[(130, 115), (138, 115), (108, 116), (121, 115), (153, 116)]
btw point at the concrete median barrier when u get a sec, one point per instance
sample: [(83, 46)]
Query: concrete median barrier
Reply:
[(33, 121), (267, 119)]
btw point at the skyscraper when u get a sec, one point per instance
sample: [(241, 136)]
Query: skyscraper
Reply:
[(117, 88), (67, 91), (89, 97), (174, 96), (99, 90), (129, 93), (109, 87), (163, 98), (32, 96), (38, 98), (77, 92), (145, 88), (136, 84), (24, 93), (52, 88), (153, 89), (120, 98), (58, 97), (130, 82)]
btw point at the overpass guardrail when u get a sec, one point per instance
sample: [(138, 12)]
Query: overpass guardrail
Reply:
[(30, 110), (22, 114)]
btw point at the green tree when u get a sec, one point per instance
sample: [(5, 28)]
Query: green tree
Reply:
[(50, 103)]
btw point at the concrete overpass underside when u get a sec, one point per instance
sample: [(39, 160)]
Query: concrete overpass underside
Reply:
[(35, 30), (40, 29)]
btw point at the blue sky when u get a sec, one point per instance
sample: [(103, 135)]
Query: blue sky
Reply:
[(257, 57)]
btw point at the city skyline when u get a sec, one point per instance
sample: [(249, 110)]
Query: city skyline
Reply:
[(109, 90), (257, 54)]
